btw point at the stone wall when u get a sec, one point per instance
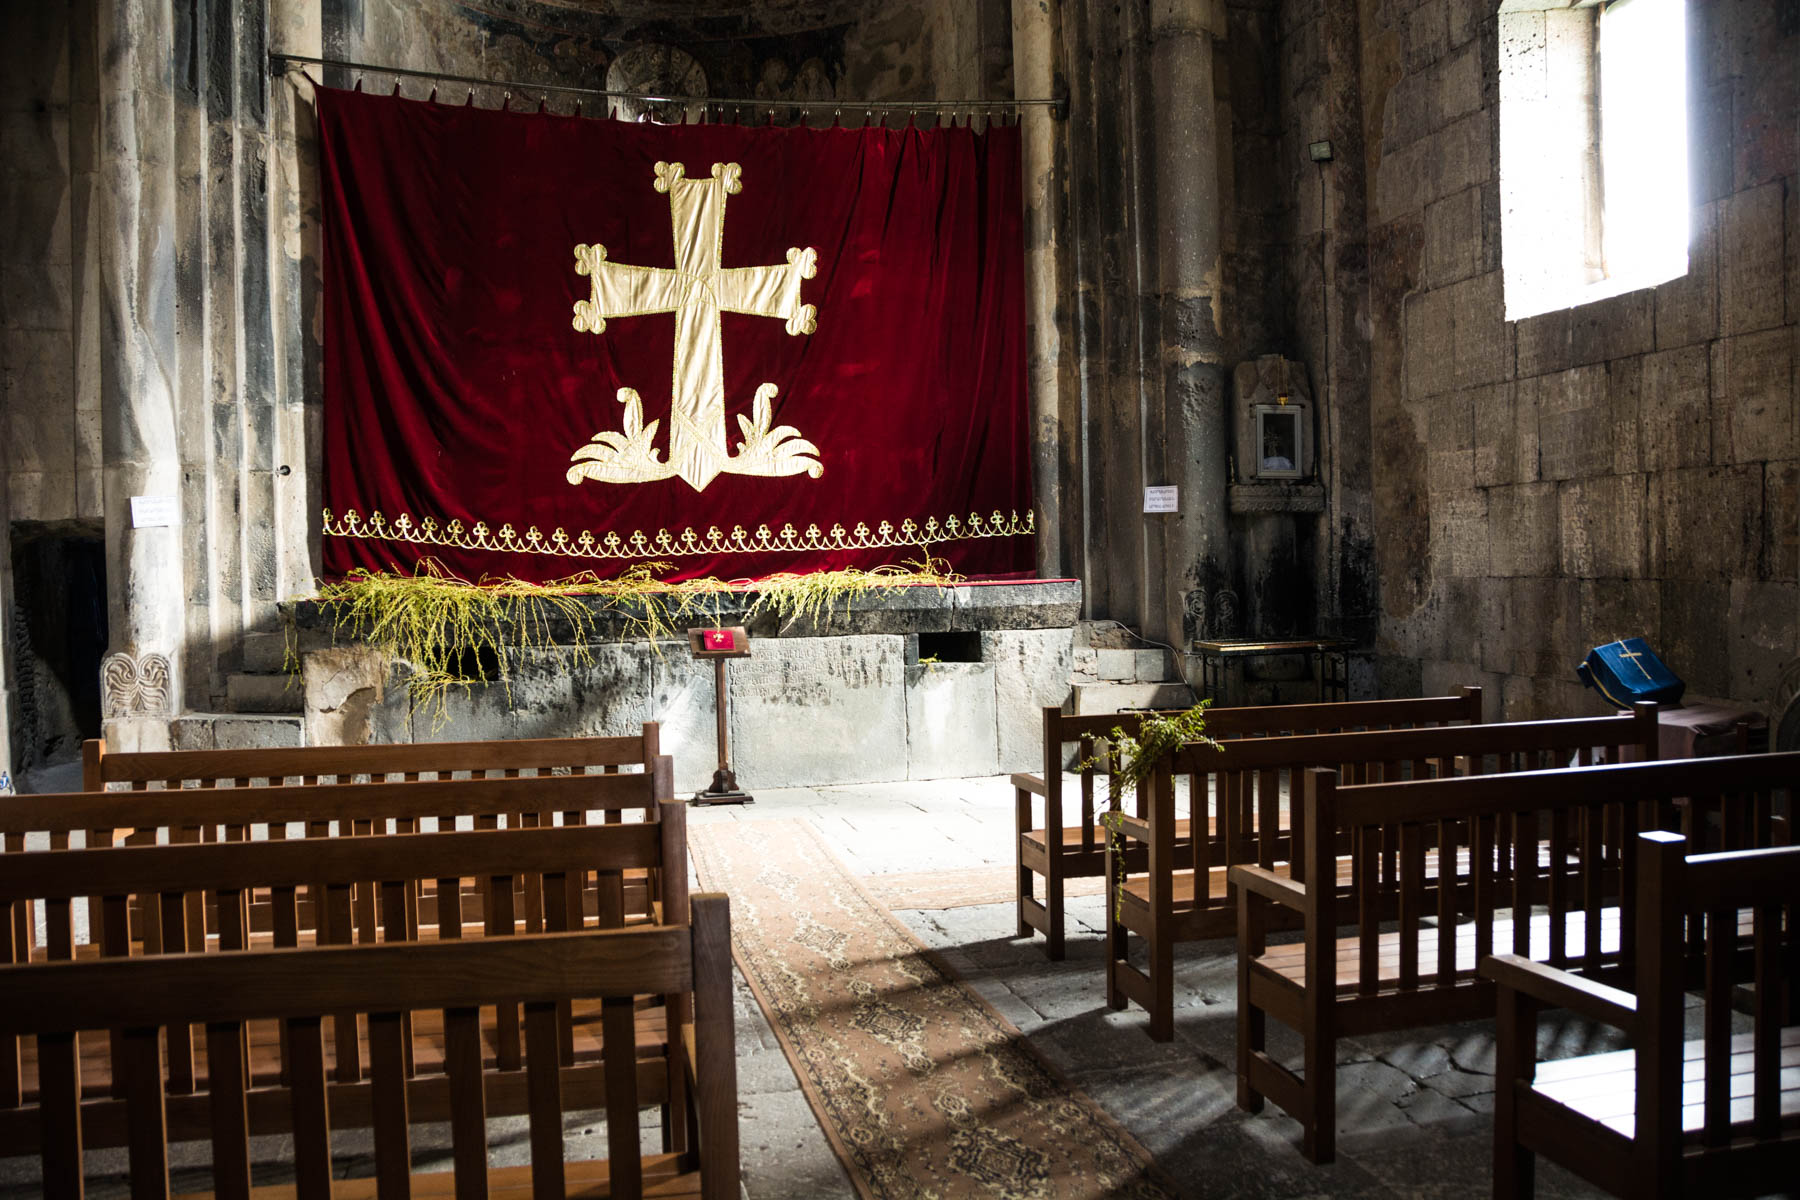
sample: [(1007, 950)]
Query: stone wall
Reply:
[(1627, 467), (159, 276)]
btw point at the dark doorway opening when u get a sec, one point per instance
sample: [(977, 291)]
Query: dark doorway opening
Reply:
[(59, 636)]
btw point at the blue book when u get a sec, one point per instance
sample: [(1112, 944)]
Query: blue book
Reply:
[(1627, 671)]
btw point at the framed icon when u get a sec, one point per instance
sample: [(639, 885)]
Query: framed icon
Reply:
[(1280, 442)]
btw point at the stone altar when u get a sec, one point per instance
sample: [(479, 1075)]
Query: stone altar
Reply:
[(916, 683)]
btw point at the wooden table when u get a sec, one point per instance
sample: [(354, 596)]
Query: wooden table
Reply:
[(1330, 668)]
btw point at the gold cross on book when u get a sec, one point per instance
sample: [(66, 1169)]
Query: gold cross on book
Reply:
[(696, 292), (1633, 656)]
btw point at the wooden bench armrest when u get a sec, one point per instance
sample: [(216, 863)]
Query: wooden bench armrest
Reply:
[(1135, 828), (1031, 783), (1560, 989), (1262, 882)]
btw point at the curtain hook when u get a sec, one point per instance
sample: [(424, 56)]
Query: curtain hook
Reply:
[(471, 100), (578, 107), (432, 99), (396, 87), (359, 83)]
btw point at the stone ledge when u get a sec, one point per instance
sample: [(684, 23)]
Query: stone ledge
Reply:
[(1024, 604), (1277, 497)]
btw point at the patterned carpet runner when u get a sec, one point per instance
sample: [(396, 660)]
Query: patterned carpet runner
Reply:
[(923, 1089)]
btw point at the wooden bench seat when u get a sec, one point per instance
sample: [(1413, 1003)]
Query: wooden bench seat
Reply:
[(1248, 782), (172, 887), (1081, 847), (1579, 899), (1603, 1087), (1672, 1116), (385, 986)]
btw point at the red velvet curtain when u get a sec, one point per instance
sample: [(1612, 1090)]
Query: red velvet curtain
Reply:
[(460, 382)]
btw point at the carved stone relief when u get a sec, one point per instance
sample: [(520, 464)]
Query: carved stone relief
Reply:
[(134, 687)]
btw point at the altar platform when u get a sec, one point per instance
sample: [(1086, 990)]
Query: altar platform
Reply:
[(915, 682)]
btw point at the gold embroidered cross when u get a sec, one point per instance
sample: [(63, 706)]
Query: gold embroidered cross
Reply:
[(696, 292), (1632, 656)]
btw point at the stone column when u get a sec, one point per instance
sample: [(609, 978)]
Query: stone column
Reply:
[(297, 27), (1350, 603), (6, 635), (1186, 135), (1034, 40), (136, 246)]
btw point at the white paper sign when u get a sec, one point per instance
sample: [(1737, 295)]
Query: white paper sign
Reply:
[(1162, 499), (149, 512)]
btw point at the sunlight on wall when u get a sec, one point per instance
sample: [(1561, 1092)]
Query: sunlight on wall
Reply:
[(1593, 152), (1643, 141)]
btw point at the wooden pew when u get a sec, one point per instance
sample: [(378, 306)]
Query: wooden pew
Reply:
[(1181, 891), (237, 814), (146, 893), (1054, 850), (103, 769), (1541, 869), (1670, 1117), (61, 1005)]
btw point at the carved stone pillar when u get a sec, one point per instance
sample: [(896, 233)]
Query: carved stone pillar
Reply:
[(1186, 132), (136, 247), (1035, 55)]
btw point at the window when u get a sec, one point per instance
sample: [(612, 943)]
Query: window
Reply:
[(1593, 151)]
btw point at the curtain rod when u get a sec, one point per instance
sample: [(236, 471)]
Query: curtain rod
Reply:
[(280, 62)]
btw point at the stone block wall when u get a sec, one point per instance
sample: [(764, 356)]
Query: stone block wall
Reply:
[(1627, 467), (803, 711)]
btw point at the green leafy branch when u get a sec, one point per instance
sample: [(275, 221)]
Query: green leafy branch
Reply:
[(1132, 758)]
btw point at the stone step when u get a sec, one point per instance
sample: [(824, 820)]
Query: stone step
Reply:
[(1091, 698), (235, 731), (264, 693), (265, 653)]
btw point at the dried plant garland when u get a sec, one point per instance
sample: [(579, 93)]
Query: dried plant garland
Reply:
[(445, 626)]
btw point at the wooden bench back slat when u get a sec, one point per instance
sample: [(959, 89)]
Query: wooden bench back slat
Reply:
[(148, 1143), (57, 876), (1261, 720), (543, 1058), (392, 1126), (59, 1098), (616, 1020), (319, 805), (468, 1105), (311, 1113), (227, 1082), (1769, 981), (101, 768)]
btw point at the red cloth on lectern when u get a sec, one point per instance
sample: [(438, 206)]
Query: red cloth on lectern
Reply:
[(456, 387)]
